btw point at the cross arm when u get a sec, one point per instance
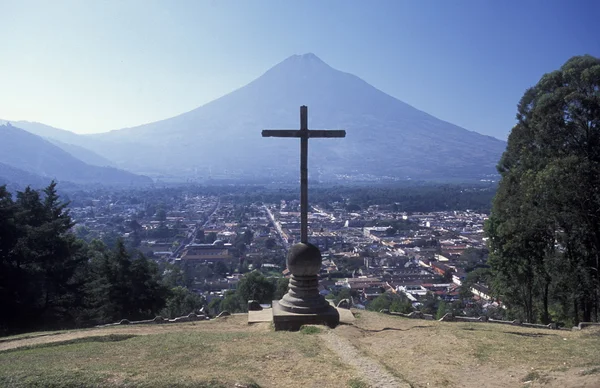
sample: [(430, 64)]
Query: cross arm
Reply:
[(301, 133), (326, 133), (281, 133)]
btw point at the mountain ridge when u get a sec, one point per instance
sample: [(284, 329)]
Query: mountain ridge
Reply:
[(385, 136), (38, 157)]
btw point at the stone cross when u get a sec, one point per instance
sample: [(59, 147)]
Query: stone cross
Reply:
[(304, 134)]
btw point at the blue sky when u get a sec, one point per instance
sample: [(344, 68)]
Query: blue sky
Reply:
[(93, 66)]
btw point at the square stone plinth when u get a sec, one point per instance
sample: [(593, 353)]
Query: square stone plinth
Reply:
[(283, 320), (258, 316)]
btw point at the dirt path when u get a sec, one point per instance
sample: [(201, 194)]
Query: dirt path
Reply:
[(371, 371)]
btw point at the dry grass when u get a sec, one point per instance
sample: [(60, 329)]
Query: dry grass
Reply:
[(225, 352), (220, 353), (447, 354)]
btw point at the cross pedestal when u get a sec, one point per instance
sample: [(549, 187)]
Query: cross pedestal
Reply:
[(303, 305)]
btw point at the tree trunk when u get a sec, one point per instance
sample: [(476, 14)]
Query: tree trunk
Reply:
[(545, 313), (587, 309), (530, 318)]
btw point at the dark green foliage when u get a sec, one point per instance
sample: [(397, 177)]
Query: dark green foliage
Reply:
[(410, 196), (233, 303), (50, 279), (281, 288), (40, 261), (270, 243), (545, 224), (429, 304), (479, 275), (417, 197), (254, 286), (174, 276), (161, 214), (210, 238), (214, 306), (442, 309), (353, 207), (180, 302), (221, 268), (344, 293), (392, 302), (124, 288), (247, 236)]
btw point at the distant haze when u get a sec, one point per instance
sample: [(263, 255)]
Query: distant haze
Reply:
[(96, 66)]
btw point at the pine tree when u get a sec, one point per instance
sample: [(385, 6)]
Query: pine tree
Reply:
[(41, 260)]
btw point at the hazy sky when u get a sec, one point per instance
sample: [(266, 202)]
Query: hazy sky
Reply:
[(92, 66)]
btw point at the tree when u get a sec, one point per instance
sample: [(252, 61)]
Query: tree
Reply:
[(281, 288), (477, 276), (390, 301), (124, 288), (254, 286), (12, 274), (241, 248), (382, 302), (150, 210), (448, 275), (429, 304), (161, 214), (147, 291), (180, 302), (136, 230), (233, 303), (270, 243), (344, 293), (353, 207), (174, 276), (441, 310), (214, 306), (41, 261), (221, 268), (401, 304), (544, 228), (247, 236), (210, 238)]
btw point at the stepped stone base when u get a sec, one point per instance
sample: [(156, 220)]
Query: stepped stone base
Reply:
[(285, 320)]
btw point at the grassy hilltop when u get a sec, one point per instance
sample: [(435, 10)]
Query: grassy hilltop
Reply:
[(377, 350)]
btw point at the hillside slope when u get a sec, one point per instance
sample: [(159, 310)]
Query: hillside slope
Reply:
[(25, 151), (66, 140), (16, 177), (227, 351), (83, 154)]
